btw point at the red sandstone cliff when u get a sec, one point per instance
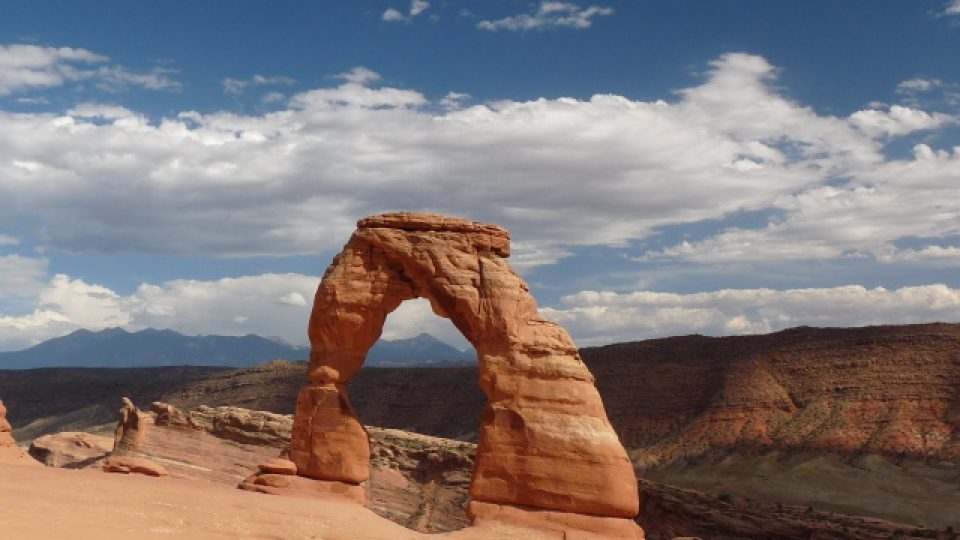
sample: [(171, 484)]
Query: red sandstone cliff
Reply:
[(892, 390)]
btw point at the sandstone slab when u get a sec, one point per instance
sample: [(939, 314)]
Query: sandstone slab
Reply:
[(278, 466), (132, 464), (285, 484), (70, 450)]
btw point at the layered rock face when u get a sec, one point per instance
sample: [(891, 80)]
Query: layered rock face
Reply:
[(545, 443), (219, 444), (892, 390)]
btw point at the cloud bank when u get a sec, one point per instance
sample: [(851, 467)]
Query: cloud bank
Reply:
[(557, 172), (594, 317)]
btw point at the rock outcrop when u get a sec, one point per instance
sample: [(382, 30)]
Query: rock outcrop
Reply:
[(10, 453), (70, 449), (6, 439), (129, 430), (218, 444), (418, 481), (545, 446), (135, 465), (258, 428)]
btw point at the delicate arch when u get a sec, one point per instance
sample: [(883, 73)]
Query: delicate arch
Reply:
[(545, 441)]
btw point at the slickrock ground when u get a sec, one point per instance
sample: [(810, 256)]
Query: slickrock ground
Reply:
[(39, 502)]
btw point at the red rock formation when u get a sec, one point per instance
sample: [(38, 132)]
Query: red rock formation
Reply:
[(259, 428), (128, 433), (545, 441), (5, 438), (70, 449), (892, 390), (218, 444), (10, 453), (131, 464)]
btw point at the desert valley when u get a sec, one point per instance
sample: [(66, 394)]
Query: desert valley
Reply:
[(711, 463)]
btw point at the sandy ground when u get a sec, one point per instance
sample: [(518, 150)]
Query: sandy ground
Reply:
[(63, 504)]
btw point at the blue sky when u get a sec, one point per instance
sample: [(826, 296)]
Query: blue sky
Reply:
[(665, 167)]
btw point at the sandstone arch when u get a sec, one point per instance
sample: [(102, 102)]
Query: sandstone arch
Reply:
[(545, 441)]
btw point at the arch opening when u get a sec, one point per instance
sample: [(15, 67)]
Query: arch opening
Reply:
[(408, 324), (421, 404)]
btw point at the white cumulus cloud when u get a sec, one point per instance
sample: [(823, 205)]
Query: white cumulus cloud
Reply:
[(548, 15), (30, 67), (918, 85), (391, 14), (898, 120), (416, 8), (359, 75)]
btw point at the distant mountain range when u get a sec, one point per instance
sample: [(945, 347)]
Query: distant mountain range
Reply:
[(116, 347), (422, 350)]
